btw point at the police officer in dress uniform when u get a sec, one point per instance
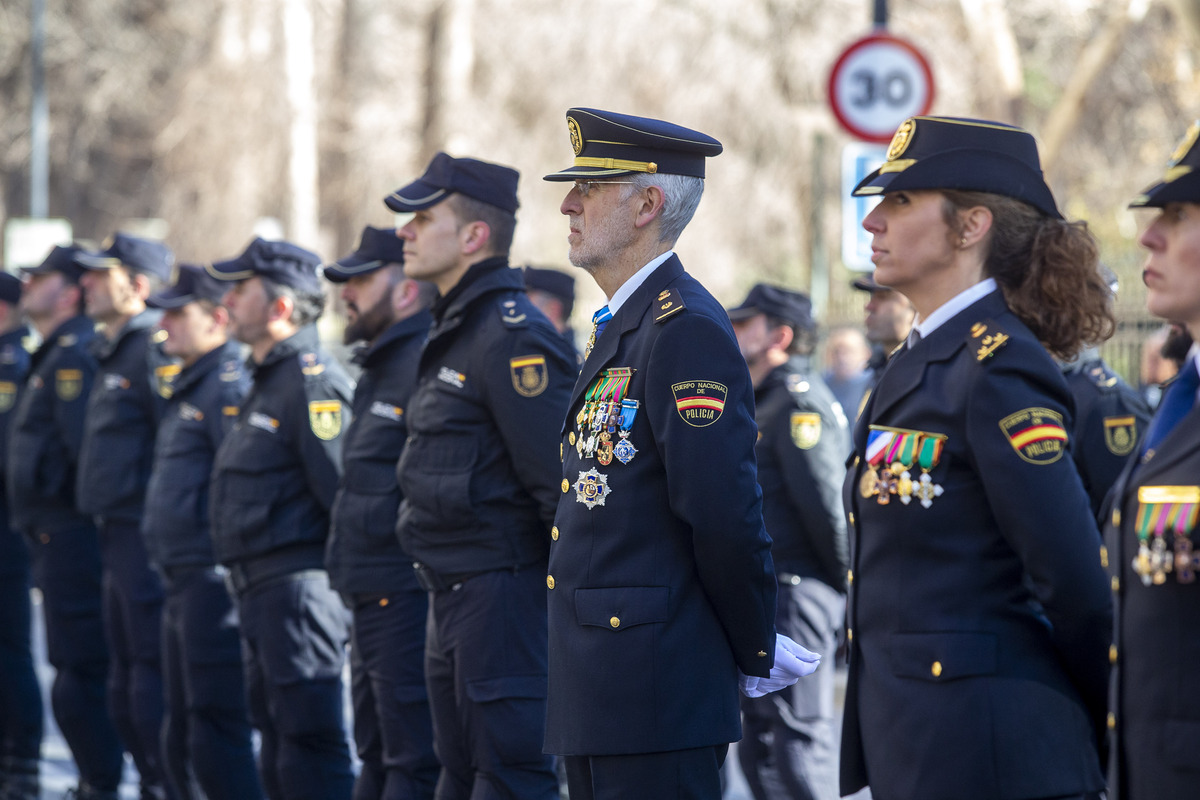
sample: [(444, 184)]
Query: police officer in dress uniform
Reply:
[(479, 480), (661, 583), (206, 729), (20, 694), (553, 292), (272, 486), (1151, 531), (978, 610), (123, 413), (45, 437), (389, 314), (788, 750)]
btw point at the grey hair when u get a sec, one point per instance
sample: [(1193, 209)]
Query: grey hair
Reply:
[(681, 196)]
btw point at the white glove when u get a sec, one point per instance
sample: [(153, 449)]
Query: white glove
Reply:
[(792, 662)]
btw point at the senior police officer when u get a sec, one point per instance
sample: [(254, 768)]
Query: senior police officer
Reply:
[(45, 437), (479, 477), (661, 583), (20, 695), (206, 730), (123, 412), (272, 486), (389, 314), (788, 750)]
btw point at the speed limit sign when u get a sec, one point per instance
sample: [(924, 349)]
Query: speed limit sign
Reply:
[(877, 83)]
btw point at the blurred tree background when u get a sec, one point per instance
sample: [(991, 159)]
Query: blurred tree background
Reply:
[(215, 114)]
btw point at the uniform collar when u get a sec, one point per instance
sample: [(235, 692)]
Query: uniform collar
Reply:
[(626, 289), (105, 347), (416, 325), (490, 275), (193, 374), (303, 340), (954, 305)]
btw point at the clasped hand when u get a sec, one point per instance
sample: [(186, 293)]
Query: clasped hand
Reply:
[(792, 662)]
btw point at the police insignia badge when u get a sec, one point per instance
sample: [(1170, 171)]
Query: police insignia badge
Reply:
[(1036, 434), (1120, 434), (529, 375), (325, 418), (700, 403), (8, 395), (591, 488), (68, 383), (806, 429), (164, 378)]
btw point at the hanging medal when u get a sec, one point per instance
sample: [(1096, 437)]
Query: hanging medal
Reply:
[(877, 482), (928, 453), (624, 449), (1163, 510)]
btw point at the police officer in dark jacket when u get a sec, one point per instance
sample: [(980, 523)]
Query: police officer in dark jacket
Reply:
[(20, 695), (272, 487), (479, 476), (45, 436), (389, 314), (123, 412), (661, 583), (206, 730), (553, 292), (788, 748)]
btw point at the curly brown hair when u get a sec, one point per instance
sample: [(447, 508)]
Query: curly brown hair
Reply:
[(1048, 270)]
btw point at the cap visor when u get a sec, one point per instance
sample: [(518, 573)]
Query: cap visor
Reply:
[(231, 270), (169, 299), (741, 312), (415, 196), (96, 261)]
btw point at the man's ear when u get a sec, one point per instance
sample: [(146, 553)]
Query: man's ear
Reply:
[(650, 207)]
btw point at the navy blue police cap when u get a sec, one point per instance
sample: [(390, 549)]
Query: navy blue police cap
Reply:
[(192, 282), (969, 155), (377, 248), (489, 183), (794, 308), (1181, 182), (278, 261), (10, 288), (62, 260), (609, 145), (866, 283), (551, 281), (145, 256)]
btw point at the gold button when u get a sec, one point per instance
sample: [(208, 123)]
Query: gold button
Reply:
[(762, 653), (1116, 517), (936, 669), (615, 622), (45, 537), (383, 601), (856, 461), (554, 533), (849, 634), (1116, 584), (851, 517), (560, 451), (1103, 556), (1112, 720), (849, 576), (566, 485), (549, 581), (1112, 654), (571, 438)]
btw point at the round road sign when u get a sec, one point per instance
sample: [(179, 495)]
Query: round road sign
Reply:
[(877, 83)]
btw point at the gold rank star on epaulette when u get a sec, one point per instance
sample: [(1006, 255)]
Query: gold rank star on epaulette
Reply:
[(668, 303), (988, 343)]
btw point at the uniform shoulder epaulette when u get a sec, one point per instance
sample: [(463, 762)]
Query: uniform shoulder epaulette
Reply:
[(67, 340), (668, 303), (798, 386), (985, 339), (512, 315), (310, 363), (1101, 375)]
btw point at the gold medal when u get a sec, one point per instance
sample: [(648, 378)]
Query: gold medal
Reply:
[(868, 485), (604, 450)]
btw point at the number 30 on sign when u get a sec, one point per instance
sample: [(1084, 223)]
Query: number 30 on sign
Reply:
[(877, 83)]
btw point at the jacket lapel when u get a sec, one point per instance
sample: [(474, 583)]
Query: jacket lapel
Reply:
[(1181, 442)]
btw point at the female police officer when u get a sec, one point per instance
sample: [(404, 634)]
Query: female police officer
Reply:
[(1151, 526), (979, 610)]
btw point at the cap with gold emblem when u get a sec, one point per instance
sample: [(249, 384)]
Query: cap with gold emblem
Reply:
[(1181, 182), (608, 145), (970, 155)]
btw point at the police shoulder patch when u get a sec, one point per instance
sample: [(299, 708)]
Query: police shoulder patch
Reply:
[(68, 383), (699, 402), (164, 378), (8, 395), (1036, 434), (529, 375), (512, 315), (668, 303), (806, 429), (325, 418), (986, 339), (1120, 434)]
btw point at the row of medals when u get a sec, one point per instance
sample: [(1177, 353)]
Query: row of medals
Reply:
[(598, 421), (897, 480), (1153, 561)]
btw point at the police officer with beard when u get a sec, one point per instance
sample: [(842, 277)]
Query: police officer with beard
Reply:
[(389, 314)]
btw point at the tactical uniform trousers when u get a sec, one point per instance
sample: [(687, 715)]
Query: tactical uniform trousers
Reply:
[(485, 666), (788, 750), (20, 695), (392, 727), (66, 567), (133, 599), (206, 730), (294, 632)]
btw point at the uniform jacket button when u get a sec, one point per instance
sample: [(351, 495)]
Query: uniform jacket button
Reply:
[(566, 485), (45, 537), (1112, 720), (554, 533), (1116, 517), (615, 622), (936, 669), (549, 581), (1116, 584), (849, 576), (1112, 654), (571, 438)]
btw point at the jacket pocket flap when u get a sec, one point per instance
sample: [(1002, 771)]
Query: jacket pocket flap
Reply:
[(942, 656), (620, 607), (485, 690)]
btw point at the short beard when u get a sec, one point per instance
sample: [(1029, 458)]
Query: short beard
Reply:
[(370, 323)]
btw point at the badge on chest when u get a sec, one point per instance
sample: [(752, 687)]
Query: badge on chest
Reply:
[(602, 431)]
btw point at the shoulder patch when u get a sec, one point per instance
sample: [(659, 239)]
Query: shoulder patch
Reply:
[(325, 418), (806, 429), (511, 315), (986, 340), (529, 375), (1036, 434), (68, 383), (668, 303), (164, 378), (310, 364), (1120, 434)]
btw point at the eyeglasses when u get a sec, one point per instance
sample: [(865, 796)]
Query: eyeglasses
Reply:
[(585, 187)]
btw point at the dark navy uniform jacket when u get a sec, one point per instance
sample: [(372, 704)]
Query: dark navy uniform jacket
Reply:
[(123, 412), (979, 624), (801, 451), (1110, 417), (277, 471), (1156, 651), (662, 591), (204, 403), (363, 555), (46, 432), (14, 367), (480, 472)]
